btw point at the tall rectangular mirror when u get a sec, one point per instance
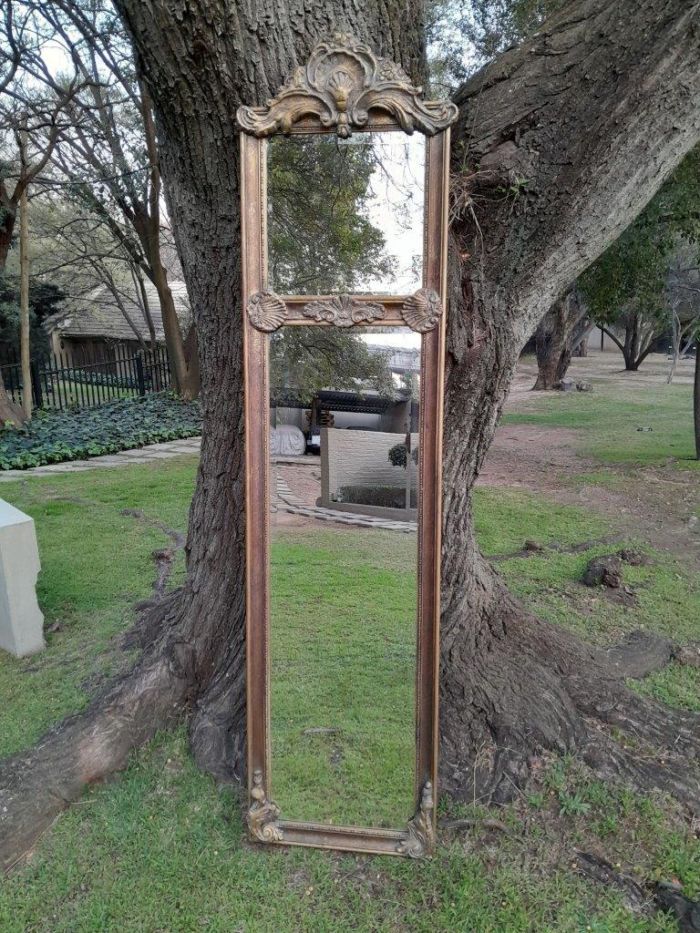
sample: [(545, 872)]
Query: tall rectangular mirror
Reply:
[(343, 236)]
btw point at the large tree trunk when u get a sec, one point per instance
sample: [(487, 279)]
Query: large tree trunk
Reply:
[(558, 335), (511, 684), (591, 113), (9, 411), (8, 219), (696, 400)]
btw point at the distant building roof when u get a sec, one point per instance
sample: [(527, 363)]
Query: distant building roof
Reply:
[(98, 315), (399, 360)]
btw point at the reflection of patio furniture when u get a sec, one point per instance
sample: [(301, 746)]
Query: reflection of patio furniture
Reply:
[(287, 440)]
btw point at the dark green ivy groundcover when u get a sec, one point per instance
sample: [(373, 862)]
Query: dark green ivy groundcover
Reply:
[(53, 436)]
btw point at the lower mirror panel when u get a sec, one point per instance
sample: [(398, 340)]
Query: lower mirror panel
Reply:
[(343, 609)]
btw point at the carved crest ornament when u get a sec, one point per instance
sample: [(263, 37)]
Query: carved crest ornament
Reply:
[(342, 81)]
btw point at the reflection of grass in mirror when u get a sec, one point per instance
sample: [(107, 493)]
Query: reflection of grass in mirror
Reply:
[(342, 649)]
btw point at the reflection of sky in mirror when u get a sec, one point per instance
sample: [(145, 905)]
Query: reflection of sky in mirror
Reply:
[(395, 206)]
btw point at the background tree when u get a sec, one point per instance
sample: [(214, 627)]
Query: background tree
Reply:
[(305, 360), (45, 298), (318, 194), (682, 294), (591, 113), (76, 249), (625, 287), (109, 153), (563, 328), (31, 124)]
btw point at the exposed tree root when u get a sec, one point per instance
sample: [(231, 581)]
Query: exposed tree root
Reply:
[(527, 687), (640, 654), (163, 557), (512, 687), (36, 785), (532, 548), (658, 895)]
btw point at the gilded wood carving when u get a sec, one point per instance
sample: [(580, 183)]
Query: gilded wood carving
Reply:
[(422, 310), (341, 83), (421, 835), (343, 311), (263, 814), (266, 311)]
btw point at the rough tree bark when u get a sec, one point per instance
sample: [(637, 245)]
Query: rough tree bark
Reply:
[(559, 333), (592, 112)]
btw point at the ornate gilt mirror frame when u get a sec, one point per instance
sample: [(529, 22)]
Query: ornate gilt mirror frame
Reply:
[(344, 88)]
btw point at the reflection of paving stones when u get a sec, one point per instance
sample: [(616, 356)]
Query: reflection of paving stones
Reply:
[(288, 502)]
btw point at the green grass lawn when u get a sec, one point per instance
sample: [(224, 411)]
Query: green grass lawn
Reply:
[(608, 420), (162, 848), (342, 658)]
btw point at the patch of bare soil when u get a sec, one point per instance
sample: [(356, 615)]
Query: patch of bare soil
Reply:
[(528, 456), (656, 504), (649, 505)]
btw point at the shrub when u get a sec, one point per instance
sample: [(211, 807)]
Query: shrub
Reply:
[(52, 437), (388, 497), (397, 455)]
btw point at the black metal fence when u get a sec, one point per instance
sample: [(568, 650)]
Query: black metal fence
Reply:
[(85, 381)]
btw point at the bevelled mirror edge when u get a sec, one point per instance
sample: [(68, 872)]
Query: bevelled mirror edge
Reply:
[(306, 104)]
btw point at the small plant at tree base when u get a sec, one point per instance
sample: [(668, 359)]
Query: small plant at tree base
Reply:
[(572, 804)]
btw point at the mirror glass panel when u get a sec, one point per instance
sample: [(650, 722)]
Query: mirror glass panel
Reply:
[(343, 584), (345, 216)]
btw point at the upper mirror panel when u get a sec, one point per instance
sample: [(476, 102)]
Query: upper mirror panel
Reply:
[(345, 215)]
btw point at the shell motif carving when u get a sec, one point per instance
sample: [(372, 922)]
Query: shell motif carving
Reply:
[(266, 311), (421, 835), (263, 814), (422, 310), (342, 81), (343, 311)]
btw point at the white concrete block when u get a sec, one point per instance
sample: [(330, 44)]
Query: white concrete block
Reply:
[(21, 620)]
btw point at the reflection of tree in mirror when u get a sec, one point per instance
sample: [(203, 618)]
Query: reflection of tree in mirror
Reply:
[(345, 216), (320, 239), (304, 360)]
